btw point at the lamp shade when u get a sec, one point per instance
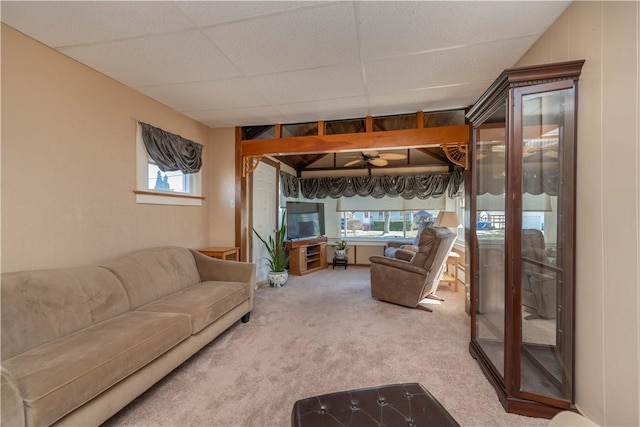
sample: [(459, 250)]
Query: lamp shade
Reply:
[(447, 219)]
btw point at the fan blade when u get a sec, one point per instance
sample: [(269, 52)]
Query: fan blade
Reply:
[(370, 153), (393, 156), (352, 162), (379, 162)]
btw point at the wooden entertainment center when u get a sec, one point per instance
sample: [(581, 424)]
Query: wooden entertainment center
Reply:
[(307, 256)]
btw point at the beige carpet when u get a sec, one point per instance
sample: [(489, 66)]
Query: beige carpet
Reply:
[(323, 333)]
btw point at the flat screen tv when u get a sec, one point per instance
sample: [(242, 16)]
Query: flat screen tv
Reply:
[(304, 220)]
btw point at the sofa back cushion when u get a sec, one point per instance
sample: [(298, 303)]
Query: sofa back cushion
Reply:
[(153, 273), (44, 305)]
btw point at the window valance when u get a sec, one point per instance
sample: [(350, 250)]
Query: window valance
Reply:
[(171, 152), (406, 186), (289, 185)]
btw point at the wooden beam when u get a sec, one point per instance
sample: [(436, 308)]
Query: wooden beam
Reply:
[(408, 138)]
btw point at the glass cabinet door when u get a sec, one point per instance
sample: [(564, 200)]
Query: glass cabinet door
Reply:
[(490, 215), (545, 157), (522, 236)]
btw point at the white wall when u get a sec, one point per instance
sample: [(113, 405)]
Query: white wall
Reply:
[(606, 35)]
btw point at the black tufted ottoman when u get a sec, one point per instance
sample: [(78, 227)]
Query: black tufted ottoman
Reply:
[(388, 405)]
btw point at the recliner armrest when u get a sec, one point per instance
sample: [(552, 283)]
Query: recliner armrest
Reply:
[(397, 263), (404, 254)]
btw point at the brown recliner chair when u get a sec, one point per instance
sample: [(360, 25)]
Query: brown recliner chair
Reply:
[(405, 244), (409, 282), (539, 284)]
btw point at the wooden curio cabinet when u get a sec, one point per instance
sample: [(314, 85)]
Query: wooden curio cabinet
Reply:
[(522, 236)]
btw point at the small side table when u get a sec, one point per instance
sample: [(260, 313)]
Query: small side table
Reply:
[(452, 277), (220, 252), (340, 261)]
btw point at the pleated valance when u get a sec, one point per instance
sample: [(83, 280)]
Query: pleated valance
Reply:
[(289, 185), (171, 152), (377, 186)]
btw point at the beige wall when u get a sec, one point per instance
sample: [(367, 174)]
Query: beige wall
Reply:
[(68, 166), (221, 157), (605, 34)]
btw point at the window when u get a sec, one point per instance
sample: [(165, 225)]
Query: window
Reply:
[(175, 181), (167, 188), (383, 224)]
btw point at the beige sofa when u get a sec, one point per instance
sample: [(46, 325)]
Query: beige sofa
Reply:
[(78, 344)]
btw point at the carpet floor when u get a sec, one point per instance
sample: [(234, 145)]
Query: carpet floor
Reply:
[(322, 333)]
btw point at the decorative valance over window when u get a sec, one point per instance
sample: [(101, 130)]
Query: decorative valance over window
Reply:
[(171, 152), (289, 185), (405, 186)]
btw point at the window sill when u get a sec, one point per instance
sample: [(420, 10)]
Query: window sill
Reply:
[(162, 198)]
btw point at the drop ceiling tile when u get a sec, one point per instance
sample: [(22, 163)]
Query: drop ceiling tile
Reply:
[(210, 95), (206, 13), (399, 28), (448, 67), (432, 99), (311, 84), (330, 109), (66, 23), (299, 39), (238, 117), (155, 60)]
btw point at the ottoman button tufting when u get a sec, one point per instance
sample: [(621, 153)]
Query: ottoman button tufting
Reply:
[(408, 403)]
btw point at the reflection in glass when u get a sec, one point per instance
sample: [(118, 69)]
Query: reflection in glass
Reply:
[(541, 261), (490, 233)]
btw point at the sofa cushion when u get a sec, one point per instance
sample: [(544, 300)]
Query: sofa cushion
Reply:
[(44, 305), (204, 303), (59, 376), (151, 274)]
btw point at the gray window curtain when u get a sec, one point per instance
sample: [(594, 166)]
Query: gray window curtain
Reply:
[(171, 152), (289, 185), (405, 186)]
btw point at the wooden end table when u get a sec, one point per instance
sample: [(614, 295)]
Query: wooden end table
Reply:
[(220, 252)]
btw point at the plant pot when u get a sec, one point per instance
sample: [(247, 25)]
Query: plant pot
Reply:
[(277, 279), (340, 253)]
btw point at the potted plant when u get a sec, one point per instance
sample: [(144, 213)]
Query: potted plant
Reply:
[(277, 259), (340, 249)]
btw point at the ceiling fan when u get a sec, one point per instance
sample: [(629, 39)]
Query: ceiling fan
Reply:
[(375, 158)]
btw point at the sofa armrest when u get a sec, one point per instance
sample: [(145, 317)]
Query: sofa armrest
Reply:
[(12, 408), (213, 269)]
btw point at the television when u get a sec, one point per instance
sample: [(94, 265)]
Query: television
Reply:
[(304, 220)]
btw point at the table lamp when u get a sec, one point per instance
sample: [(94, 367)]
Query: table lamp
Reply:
[(447, 219)]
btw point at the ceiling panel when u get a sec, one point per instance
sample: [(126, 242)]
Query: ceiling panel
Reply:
[(208, 13), (333, 109), (153, 60), (394, 29), (300, 61), (299, 39), (59, 24), (338, 81), (448, 67), (208, 95), (238, 116)]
